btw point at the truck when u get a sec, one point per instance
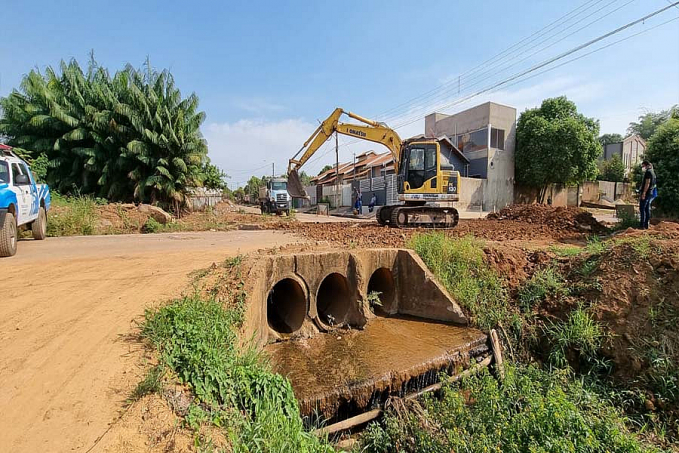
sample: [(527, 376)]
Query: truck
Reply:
[(274, 197), (23, 202)]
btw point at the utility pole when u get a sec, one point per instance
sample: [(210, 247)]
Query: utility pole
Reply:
[(337, 186), (273, 170)]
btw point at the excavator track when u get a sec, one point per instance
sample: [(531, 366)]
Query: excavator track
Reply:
[(422, 217)]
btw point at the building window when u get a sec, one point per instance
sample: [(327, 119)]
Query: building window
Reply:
[(474, 141), (497, 138)]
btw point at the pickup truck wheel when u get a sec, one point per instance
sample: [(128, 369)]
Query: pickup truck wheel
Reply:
[(8, 236), (39, 226)]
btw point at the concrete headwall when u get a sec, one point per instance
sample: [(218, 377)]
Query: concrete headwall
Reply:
[(406, 286)]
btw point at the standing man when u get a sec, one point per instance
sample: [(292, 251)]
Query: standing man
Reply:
[(647, 194)]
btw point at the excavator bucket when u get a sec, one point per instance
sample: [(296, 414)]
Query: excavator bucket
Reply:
[(295, 188)]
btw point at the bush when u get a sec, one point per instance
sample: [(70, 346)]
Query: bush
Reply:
[(151, 226), (530, 411), (197, 339), (459, 264), (542, 284), (579, 334), (663, 153), (71, 216)]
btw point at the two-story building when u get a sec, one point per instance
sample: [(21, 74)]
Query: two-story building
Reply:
[(631, 151), (486, 136)]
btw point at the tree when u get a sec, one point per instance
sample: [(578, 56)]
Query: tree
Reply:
[(610, 138), (213, 177), (649, 122), (556, 144), (663, 153), (613, 169), (326, 168), (129, 136), (253, 185), (305, 179)]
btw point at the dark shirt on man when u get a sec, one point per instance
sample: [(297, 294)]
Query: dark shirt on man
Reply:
[(648, 176)]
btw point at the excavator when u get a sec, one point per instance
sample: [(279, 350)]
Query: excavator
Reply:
[(425, 173)]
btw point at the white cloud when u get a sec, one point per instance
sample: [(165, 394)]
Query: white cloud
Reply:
[(248, 147)]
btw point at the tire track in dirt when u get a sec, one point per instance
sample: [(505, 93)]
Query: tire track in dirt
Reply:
[(68, 357)]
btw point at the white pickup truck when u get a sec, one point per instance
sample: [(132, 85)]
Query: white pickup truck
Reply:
[(23, 203)]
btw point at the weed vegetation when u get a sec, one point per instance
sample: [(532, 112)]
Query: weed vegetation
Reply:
[(531, 410), (459, 264), (77, 216), (234, 387), (543, 283)]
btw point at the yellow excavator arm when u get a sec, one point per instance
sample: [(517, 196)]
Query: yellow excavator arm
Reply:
[(370, 130), (416, 192)]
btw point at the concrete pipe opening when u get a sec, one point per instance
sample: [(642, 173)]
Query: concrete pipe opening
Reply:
[(333, 299), (382, 282), (286, 306)]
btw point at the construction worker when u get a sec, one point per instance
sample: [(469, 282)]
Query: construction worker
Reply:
[(647, 194)]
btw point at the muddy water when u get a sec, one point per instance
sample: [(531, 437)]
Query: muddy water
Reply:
[(336, 375)]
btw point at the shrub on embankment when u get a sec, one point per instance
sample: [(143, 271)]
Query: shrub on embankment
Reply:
[(604, 313), (196, 339), (72, 216), (531, 410)]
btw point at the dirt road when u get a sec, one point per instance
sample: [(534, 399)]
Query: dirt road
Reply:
[(69, 308)]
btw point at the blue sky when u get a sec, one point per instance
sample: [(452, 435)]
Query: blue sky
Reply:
[(266, 72)]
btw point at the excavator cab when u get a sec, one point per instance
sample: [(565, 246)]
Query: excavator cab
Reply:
[(421, 166)]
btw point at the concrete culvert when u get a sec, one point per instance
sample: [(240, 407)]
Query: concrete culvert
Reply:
[(382, 282), (333, 299), (286, 306)]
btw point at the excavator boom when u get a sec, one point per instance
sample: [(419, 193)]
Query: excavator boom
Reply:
[(370, 130), (422, 181)]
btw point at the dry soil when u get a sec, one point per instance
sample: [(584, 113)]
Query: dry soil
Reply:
[(69, 356)]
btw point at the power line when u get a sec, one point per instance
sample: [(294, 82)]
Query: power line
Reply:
[(556, 58), (504, 54), (506, 82), (574, 59), (493, 72)]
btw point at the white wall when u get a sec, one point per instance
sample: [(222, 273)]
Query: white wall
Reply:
[(471, 194)]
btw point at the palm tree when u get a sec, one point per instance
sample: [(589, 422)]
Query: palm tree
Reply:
[(130, 136)]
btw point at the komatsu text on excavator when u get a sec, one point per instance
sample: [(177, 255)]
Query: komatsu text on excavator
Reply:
[(427, 180)]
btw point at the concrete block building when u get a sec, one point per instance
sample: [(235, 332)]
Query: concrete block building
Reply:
[(630, 151), (486, 136)]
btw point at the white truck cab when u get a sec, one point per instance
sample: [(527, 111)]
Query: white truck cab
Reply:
[(274, 198), (23, 202)]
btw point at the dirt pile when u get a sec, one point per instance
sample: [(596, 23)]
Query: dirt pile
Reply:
[(639, 301), (373, 235), (560, 219)]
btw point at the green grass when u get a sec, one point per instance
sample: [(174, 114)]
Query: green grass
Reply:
[(77, 216), (595, 246), (153, 226), (532, 410), (234, 386), (642, 246), (578, 334), (565, 250), (152, 383), (542, 284), (459, 265), (626, 221)]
